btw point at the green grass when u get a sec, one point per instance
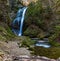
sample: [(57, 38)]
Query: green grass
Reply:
[(6, 33)]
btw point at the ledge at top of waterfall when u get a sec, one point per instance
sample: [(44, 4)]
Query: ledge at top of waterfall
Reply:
[(18, 21)]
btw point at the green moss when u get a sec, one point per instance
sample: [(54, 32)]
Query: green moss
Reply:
[(9, 31), (53, 52), (26, 41), (6, 33), (2, 38)]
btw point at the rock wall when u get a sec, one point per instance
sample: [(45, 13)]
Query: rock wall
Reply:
[(27, 2)]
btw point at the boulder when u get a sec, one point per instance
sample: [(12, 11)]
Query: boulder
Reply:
[(27, 2)]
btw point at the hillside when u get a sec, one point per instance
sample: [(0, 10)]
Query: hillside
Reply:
[(41, 23)]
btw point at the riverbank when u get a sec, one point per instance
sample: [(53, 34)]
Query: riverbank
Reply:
[(12, 48), (11, 51), (42, 22)]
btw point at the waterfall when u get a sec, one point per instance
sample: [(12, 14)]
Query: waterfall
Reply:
[(18, 21)]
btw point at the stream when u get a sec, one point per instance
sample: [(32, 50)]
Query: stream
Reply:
[(18, 26), (42, 43)]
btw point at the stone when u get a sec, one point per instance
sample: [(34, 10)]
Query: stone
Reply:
[(8, 58), (53, 60), (1, 59), (1, 55), (27, 2), (45, 58)]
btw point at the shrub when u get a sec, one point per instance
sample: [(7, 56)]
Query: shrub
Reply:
[(53, 52), (53, 39), (27, 42)]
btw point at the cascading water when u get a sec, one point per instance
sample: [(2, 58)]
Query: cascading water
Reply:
[(17, 26), (18, 21)]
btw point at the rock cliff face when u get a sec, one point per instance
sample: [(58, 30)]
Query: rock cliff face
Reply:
[(41, 19), (27, 2)]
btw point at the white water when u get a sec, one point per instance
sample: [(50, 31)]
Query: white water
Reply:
[(18, 21), (41, 43), (44, 44), (22, 19)]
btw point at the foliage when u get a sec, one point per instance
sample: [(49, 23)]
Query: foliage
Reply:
[(27, 42), (5, 20), (42, 34), (34, 10), (39, 16), (5, 32), (53, 39), (37, 8), (53, 52), (32, 31)]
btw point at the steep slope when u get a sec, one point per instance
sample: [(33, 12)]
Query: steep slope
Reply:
[(43, 16), (5, 20)]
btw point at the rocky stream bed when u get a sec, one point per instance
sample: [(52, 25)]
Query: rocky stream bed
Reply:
[(11, 52)]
